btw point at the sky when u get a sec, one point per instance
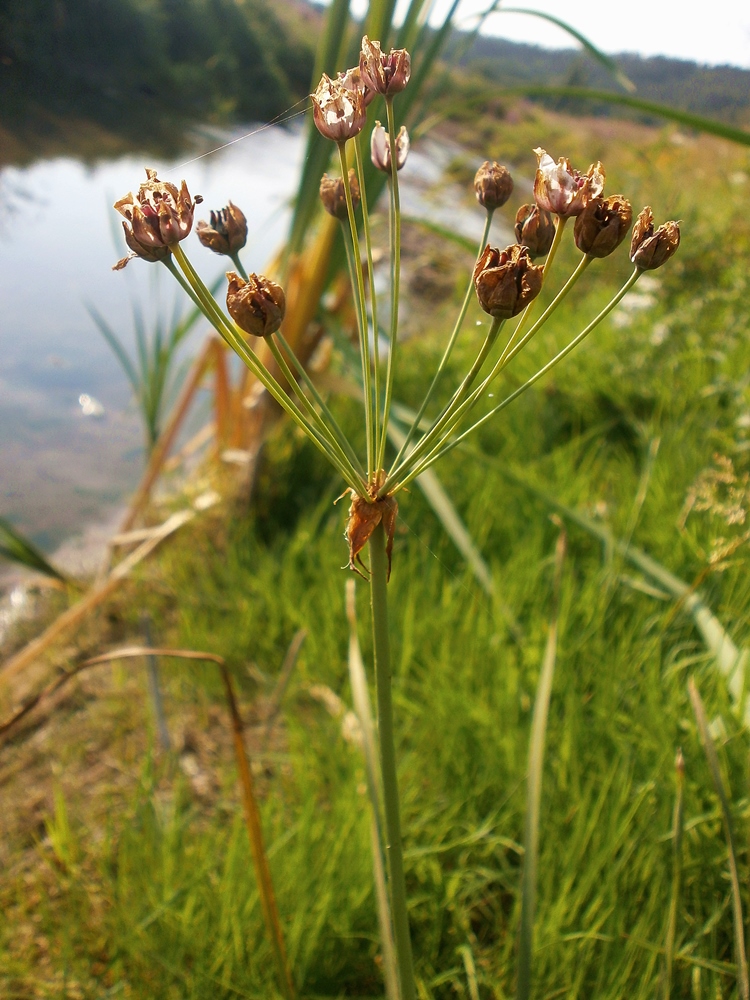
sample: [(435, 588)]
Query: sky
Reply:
[(715, 32)]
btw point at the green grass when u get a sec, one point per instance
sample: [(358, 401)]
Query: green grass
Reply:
[(143, 886)]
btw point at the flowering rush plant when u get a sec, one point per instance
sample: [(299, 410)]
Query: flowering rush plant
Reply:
[(505, 280)]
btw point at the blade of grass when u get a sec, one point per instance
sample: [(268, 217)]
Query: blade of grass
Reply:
[(536, 764), (677, 831), (363, 709), (713, 764), (16, 548), (255, 833)]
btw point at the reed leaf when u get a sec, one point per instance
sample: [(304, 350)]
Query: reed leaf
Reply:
[(721, 791), (678, 825), (17, 549), (534, 796)]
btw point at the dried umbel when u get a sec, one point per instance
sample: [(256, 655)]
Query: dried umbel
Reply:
[(493, 185), (333, 194), (352, 80), (257, 305), (157, 216), (364, 516), (338, 111), (603, 225), (560, 189), (227, 232), (506, 280), (649, 249), (380, 148), (535, 229), (385, 73)]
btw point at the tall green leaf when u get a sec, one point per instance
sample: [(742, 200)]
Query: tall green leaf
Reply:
[(16, 548)]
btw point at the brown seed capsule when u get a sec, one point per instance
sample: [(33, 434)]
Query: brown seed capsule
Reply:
[(535, 229), (364, 517), (506, 280), (256, 305), (385, 73), (338, 112), (380, 148), (333, 194), (603, 225), (352, 80), (493, 185), (649, 249), (227, 232), (158, 215), (151, 254), (560, 189)]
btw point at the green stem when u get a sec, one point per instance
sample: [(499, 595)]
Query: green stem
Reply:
[(235, 257), (444, 448), (428, 439), (332, 422), (217, 319), (677, 831), (449, 347), (512, 350), (526, 315), (393, 844), (371, 275), (364, 339), (168, 262), (396, 276), (324, 430)]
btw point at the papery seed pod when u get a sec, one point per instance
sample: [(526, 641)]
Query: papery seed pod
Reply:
[(649, 249), (603, 225), (257, 305), (352, 80), (333, 194), (338, 111), (560, 189), (158, 215), (493, 185), (151, 254), (535, 229), (506, 281), (385, 73), (380, 148), (227, 232)]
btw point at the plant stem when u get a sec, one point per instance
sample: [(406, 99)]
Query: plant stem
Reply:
[(677, 831), (393, 845), (371, 276), (449, 347), (255, 833), (364, 337), (526, 314), (395, 276), (235, 257), (168, 262), (445, 447)]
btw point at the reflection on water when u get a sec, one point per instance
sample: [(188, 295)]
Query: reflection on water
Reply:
[(70, 440)]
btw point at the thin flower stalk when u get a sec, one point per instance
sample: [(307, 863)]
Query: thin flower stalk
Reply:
[(448, 348), (363, 331), (547, 266), (395, 220), (444, 448), (366, 232), (256, 366)]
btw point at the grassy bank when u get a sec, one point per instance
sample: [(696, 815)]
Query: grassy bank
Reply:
[(128, 870)]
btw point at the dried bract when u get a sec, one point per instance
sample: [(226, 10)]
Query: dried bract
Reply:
[(493, 185), (385, 73), (157, 216), (257, 305), (380, 148), (333, 194), (227, 232), (560, 189), (649, 249), (338, 111), (603, 225), (506, 281), (535, 229), (364, 517)]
